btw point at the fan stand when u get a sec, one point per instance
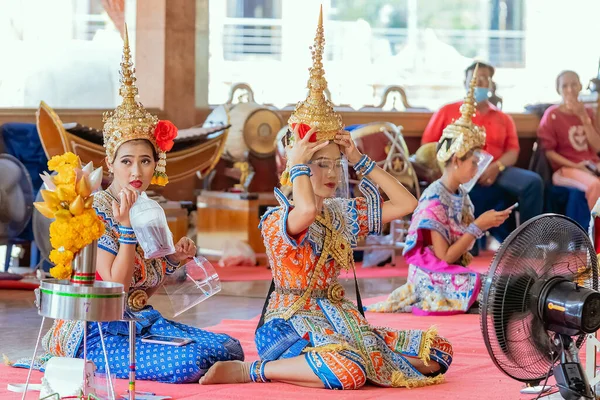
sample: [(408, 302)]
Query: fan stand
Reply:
[(535, 388), (569, 370), (591, 347)]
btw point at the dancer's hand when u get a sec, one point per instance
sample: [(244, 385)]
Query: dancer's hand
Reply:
[(348, 147), (492, 219), (127, 199), (184, 249), (302, 150)]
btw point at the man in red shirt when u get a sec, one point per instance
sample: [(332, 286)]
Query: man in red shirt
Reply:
[(501, 184)]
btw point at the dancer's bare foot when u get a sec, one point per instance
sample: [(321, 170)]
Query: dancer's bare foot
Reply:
[(227, 372)]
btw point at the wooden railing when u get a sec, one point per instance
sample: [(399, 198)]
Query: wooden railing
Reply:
[(413, 123)]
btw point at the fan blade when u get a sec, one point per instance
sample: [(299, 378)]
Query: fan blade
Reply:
[(541, 248), (542, 339)]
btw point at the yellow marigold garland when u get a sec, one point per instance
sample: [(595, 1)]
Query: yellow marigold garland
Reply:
[(68, 201)]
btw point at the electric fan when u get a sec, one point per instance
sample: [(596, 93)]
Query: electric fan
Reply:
[(540, 300), (16, 199), (41, 229)]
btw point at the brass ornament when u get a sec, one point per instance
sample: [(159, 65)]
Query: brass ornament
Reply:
[(316, 111)]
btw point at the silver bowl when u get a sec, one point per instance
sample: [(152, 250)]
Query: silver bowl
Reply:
[(58, 299)]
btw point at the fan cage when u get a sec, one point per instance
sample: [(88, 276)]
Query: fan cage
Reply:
[(545, 246)]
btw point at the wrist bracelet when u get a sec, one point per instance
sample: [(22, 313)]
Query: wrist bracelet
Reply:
[(171, 266), (257, 372), (299, 170), (126, 235), (364, 166), (475, 231)]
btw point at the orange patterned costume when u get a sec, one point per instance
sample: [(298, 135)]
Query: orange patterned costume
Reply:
[(308, 314)]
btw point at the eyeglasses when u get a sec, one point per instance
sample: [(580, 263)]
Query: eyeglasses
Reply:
[(328, 164)]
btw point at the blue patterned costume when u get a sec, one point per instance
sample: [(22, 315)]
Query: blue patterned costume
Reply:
[(308, 314), (156, 362)]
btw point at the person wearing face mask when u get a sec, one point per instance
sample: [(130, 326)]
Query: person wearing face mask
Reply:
[(443, 229), (568, 135), (501, 184)]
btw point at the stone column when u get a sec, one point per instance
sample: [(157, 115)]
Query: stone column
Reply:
[(165, 57)]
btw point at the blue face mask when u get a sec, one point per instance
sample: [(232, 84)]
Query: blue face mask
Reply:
[(481, 94)]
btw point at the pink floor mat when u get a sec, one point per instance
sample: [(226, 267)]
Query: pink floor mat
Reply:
[(471, 376)]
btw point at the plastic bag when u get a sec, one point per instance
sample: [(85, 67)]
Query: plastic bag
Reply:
[(149, 223), (237, 253)]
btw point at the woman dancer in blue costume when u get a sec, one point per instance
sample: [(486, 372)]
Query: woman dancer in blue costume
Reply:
[(136, 143)]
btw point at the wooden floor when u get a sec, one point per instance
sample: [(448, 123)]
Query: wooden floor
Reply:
[(20, 323)]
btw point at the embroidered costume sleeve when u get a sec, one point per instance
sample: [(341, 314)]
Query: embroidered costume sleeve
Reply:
[(147, 273), (368, 209), (274, 225), (103, 206)]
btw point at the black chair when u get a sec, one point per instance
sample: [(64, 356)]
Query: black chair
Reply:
[(563, 200)]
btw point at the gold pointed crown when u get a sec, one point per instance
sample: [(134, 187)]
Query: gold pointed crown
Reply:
[(463, 134), (130, 120), (316, 111)]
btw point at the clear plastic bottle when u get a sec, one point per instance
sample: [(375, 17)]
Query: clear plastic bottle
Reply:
[(149, 223)]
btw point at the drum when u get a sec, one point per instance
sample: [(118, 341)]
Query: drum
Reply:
[(253, 129), (280, 150)]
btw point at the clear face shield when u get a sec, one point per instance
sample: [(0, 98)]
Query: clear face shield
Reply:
[(483, 159), (330, 176), (191, 284), (329, 172)]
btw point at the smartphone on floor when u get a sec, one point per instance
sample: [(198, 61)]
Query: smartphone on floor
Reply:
[(167, 340)]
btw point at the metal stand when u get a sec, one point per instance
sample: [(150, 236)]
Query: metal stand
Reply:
[(82, 299), (85, 329), (37, 342), (111, 389), (131, 360), (591, 348)]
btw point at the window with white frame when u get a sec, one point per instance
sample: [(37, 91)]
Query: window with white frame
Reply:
[(65, 52), (423, 46)]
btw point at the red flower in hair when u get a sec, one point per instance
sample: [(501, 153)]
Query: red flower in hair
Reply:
[(303, 130), (164, 133)]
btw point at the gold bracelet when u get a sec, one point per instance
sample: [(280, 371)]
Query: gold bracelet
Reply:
[(137, 300)]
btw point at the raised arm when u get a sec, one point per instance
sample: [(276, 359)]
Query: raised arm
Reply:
[(119, 268), (305, 208), (401, 202)]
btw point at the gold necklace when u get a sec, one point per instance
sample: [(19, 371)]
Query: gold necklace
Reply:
[(110, 191)]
